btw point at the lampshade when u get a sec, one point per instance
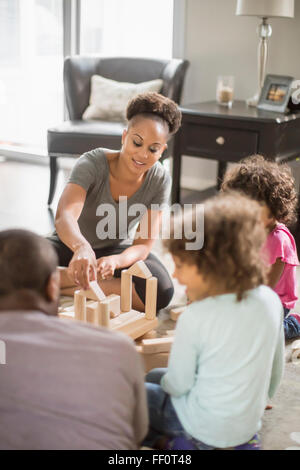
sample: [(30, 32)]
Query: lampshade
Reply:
[(266, 8)]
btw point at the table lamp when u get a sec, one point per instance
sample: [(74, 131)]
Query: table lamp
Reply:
[(264, 9)]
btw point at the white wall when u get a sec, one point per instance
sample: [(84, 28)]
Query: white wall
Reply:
[(219, 43)]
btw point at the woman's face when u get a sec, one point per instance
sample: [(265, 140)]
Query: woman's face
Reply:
[(143, 143)]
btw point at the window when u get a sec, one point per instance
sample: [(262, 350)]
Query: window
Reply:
[(34, 34), (31, 61), (138, 28)]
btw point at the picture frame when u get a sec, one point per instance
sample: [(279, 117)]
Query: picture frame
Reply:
[(275, 93)]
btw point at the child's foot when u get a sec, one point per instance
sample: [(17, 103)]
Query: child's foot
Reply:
[(268, 407)]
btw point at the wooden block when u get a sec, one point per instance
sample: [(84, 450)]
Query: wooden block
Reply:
[(94, 292), (136, 328), (139, 269), (125, 318), (151, 298), (157, 345), (92, 314), (175, 312), (140, 328), (114, 305), (103, 314), (171, 332), (80, 306), (149, 335), (67, 315), (152, 361), (126, 291)]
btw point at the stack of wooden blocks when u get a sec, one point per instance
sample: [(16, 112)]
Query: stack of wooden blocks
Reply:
[(115, 312)]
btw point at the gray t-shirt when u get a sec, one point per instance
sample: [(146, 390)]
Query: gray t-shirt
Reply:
[(103, 221), (67, 385)]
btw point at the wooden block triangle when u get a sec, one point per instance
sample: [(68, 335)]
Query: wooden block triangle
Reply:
[(139, 269), (94, 292)]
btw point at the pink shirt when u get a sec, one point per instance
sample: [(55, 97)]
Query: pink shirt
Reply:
[(281, 244)]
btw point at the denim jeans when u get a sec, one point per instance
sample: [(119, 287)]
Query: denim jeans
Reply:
[(291, 325), (162, 415)]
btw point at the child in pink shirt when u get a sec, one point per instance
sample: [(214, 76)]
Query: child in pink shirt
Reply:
[(273, 186)]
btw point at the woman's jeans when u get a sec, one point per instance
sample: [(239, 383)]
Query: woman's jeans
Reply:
[(291, 325), (162, 415)]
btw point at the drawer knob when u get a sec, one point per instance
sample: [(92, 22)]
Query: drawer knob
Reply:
[(220, 140)]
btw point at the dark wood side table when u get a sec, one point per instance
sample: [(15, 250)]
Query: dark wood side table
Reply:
[(215, 132), (212, 131)]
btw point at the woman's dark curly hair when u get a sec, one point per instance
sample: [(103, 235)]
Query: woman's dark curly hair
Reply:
[(157, 105), (267, 182), (233, 238)]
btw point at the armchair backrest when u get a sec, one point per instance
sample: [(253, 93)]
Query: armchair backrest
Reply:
[(79, 69)]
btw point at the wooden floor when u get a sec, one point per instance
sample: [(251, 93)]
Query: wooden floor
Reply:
[(23, 196), (23, 203)]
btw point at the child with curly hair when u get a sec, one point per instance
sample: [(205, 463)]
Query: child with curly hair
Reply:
[(273, 186), (221, 367)]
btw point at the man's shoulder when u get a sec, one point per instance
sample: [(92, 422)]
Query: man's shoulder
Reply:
[(95, 334), (64, 331)]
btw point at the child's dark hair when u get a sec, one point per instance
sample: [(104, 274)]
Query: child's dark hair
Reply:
[(233, 237), (265, 181), (157, 105)]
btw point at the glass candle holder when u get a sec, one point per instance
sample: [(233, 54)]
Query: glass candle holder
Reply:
[(225, 89)]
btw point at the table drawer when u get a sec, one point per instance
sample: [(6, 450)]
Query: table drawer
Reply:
[(221, 143)]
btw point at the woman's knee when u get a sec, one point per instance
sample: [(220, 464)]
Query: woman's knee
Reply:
[(165, 287)]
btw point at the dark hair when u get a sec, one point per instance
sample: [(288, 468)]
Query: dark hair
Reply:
[(265, 181), (26, 261), (157, 105), (233, 238)]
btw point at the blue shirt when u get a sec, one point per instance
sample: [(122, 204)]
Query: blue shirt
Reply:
[(227, 358)]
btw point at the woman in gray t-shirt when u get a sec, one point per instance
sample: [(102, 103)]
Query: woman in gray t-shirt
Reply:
[(110, 211)]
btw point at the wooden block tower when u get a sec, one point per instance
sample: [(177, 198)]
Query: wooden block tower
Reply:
[(116, 312)]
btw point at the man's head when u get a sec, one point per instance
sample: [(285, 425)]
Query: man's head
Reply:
[(28, 275)]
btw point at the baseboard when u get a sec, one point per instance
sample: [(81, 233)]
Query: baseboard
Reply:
[(24, 155)]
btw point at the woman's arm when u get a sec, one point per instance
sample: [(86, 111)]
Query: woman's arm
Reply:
[(83, 266), (146, 234)]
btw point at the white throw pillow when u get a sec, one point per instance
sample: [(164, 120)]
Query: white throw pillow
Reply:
[(109, 99)]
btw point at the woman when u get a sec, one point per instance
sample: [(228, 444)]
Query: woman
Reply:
[(105, 191)]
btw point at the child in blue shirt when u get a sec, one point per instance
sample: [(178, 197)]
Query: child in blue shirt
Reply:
[(222, 368)]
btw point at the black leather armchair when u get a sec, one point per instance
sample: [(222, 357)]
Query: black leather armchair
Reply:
[(74, 137)]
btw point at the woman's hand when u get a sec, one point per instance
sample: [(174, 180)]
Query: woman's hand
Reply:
[(83, 266), (106, 266)]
